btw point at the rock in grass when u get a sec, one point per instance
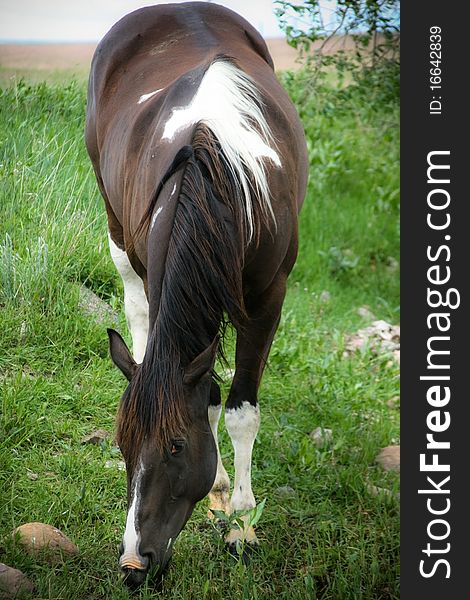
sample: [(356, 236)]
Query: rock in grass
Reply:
[(366, 313), (378, 492), (389, 458), (91, 305), (13, 583), (120, 465), (31, 475), (284, 492), (380, 337), (321, 436), (392, 264), (96, 437), (40, 539)]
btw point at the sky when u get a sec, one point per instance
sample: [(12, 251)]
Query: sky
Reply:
[(89, 20)]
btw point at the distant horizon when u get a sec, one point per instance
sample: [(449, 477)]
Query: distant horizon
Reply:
[(41, 42), (16, 42), (30, 22)]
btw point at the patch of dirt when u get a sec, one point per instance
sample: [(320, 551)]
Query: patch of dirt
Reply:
[(75, 59), (47, 57)]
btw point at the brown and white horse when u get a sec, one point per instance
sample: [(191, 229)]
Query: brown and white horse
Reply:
[(201, 160)]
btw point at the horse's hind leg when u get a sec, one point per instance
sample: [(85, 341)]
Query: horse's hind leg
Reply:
[(135, 301), (242, 414), (219, 496)]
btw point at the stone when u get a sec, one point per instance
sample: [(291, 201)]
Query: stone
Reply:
[(321, 436), (40, 539), (394, 402), (96, 437), (392, 264), (379, 491), (285, 491), (120, 465), (93, 306), (389, 458), (13, 583), (366, 313), (380, 337)]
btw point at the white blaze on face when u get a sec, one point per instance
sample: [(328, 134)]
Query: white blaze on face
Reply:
[(131, 557)]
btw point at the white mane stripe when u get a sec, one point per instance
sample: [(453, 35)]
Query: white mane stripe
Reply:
[(228, 102)]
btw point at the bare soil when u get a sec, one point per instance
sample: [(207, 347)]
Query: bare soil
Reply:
[(52, 60), (56, 62)]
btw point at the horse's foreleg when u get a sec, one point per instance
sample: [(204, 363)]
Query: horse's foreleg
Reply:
[(242, 424), (242, 416), (219, 496), (135, 301)]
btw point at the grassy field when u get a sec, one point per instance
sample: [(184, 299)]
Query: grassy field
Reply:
[(325, 535)]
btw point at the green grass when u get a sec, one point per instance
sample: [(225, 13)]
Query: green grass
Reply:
[(331, 539), (10, 76)]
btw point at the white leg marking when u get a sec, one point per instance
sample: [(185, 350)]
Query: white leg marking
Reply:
[(131, 557), (219, 494), (135, 301), (242, 425)]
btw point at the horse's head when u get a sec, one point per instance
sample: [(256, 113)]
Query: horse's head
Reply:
[(164, 483)]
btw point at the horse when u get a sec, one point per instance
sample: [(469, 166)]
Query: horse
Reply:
[(201, 159)]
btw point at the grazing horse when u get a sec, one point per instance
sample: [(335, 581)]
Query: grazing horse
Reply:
[(201, 160)]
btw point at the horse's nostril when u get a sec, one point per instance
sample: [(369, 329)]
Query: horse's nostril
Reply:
[(134, 578), (150, 558)]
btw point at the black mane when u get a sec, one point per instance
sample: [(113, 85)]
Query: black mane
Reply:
[(201, 293)]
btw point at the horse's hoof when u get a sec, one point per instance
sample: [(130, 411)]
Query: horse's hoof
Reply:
[(220, 525), (242, 551)]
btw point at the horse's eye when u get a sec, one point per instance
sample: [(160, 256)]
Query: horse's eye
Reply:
[(177, 446)]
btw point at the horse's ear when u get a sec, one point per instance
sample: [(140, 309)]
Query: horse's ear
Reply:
[(120, 354), (201, 365)]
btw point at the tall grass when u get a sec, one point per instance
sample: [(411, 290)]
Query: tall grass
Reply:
[(323, 534)]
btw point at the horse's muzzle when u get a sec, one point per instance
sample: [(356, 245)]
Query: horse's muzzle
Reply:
[(134, 578), (134, 569)]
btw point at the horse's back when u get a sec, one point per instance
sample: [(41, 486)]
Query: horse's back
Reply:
[(152, 62), (152, 47)]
